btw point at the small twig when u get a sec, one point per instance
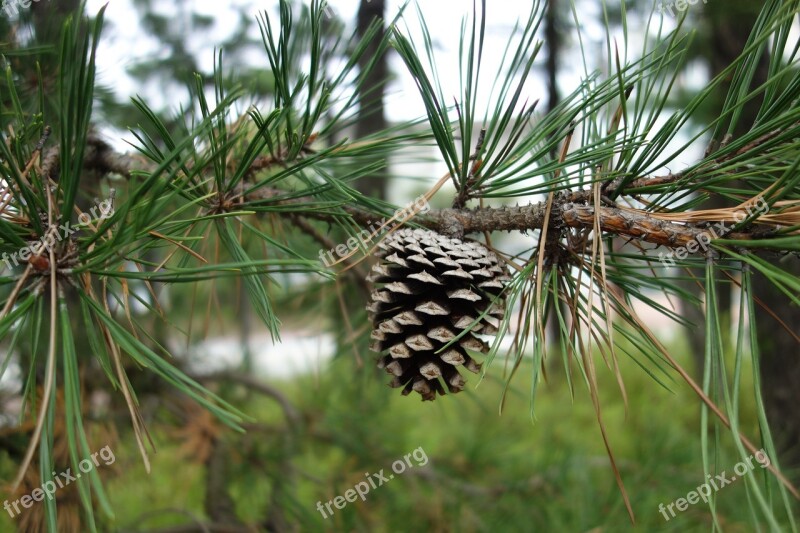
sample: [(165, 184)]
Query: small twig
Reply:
[(464, 195), (713, 146), (358, 274), (293, 416)]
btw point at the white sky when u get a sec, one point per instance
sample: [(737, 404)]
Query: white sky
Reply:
[(125, 43)]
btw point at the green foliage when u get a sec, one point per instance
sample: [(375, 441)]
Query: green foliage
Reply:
[(217, 194), (486, 472)]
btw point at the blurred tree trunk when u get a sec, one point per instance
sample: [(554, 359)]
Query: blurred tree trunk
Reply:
[(49, 16), (553, 43), (553, 48), (371, 118), (729, 26), (371, 114), (780, 365)]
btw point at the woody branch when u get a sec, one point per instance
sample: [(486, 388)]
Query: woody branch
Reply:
[(570, 209)]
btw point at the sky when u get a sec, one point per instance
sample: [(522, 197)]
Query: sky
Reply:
[(125, 43)]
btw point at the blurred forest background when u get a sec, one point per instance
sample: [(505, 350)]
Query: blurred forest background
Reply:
[(322, 415)]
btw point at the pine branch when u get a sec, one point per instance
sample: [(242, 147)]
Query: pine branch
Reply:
[(624, 222), (570, 209), (293, 416), (354, 271)]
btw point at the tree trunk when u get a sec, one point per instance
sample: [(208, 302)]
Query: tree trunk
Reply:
[(780, 353), (371, 114), (730, 25)]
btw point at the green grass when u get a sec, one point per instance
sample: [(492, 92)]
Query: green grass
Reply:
[(485, 471)]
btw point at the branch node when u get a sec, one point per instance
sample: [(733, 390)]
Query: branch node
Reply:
[(451, 225)]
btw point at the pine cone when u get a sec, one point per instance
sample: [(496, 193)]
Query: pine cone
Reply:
[(431, 288)]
